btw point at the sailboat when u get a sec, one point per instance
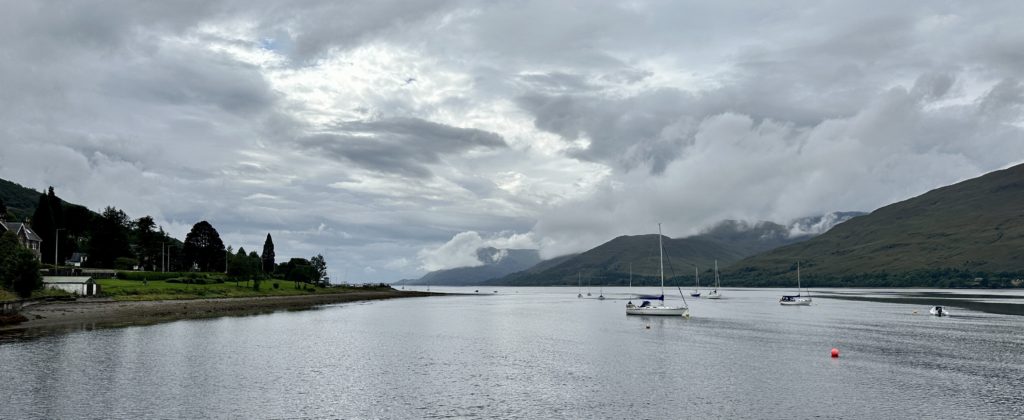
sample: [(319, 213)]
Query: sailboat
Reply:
[(601, 296), (579, 285), (798, 299), (696, 288), (646, 308), (714, 294)]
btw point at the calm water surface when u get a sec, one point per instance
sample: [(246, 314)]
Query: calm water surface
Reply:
[(533, 353)]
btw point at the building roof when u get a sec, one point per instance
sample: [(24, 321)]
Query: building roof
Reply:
[(17, 227), (67, 280)]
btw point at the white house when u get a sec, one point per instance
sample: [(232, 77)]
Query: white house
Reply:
[(82, 286)]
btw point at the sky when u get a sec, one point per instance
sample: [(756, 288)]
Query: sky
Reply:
[(397, 137)]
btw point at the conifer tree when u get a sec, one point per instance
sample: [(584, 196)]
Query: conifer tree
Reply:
[(268, 255)]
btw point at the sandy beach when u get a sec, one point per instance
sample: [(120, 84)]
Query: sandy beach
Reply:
[(90, 313)]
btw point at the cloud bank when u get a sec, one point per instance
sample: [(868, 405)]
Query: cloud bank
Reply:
[(394, 137)]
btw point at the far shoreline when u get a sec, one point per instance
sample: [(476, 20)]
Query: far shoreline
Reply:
[(95, 313)]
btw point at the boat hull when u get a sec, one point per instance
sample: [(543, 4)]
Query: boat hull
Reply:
[(658, 311), (798, 302), (713, 295)]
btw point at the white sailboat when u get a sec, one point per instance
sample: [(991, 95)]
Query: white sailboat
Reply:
[(646, 308), (798, 299), (714, 293), (601, 295), (696, 287)]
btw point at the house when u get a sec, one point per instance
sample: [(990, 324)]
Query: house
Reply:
[(76, 260), (26, 236), (82, 286)]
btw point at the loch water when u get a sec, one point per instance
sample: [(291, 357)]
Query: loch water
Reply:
[(537, 353)]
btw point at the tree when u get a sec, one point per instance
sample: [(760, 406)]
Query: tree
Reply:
[(19, 269), (44, 225), (204, 248), (148, 243), (3, 211), (268, 255), (109, 238), (240, 267), (319, 266)]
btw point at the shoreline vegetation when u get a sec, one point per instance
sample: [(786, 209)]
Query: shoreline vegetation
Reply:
[(87, 313)]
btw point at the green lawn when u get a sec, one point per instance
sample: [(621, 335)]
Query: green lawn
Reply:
[(162, 290), (5, 295)]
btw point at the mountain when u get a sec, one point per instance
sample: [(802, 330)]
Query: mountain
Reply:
[(727, 242), (20, 201), (496, 263), (967, 234)]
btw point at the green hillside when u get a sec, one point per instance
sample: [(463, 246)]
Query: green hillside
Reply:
[(609, 263), (20, 201), (969, 234)]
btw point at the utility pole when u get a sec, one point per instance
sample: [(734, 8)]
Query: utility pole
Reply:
[(163, 257)]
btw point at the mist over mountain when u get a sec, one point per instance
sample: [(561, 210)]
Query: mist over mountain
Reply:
[(614, 262), (966, 234), (496, 263)]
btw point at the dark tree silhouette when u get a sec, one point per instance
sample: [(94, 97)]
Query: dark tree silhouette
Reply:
[(109, 238), (319, 266), (204, 248), (44, 225), (148, 243), (268, 255), (19, 269)]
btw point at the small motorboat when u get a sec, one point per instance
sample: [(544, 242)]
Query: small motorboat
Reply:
[(938, 311)]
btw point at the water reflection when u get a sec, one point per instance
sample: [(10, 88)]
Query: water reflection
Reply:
[(536, 353)]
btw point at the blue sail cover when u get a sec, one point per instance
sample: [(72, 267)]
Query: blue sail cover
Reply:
[(651, 297)]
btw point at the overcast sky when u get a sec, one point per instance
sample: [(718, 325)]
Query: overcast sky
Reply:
[(397, 137)]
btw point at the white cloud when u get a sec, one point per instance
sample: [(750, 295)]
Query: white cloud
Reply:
[(613, 116)]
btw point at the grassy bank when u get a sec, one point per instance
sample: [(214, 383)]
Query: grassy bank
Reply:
[(134, 290)]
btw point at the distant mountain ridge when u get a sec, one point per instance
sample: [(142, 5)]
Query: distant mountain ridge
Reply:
[(968, 234), (496, 263), (611, 263)]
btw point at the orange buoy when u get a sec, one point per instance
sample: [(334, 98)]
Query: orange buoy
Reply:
[(835, 352)]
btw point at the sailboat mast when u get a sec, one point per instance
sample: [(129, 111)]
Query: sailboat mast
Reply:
[(798, 278), (661, 262)]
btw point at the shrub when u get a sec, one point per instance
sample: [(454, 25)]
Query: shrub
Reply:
[(277, 285), (147, 275)]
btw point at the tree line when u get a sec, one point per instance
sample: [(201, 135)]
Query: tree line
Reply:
[(113, 240)]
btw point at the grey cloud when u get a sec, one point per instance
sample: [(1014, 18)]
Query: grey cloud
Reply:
[(702, 110), (556, 82), (1003, 100), (406, 146), (647, 129), (194, 79)]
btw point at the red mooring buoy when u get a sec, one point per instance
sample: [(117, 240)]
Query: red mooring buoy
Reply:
[(835, 352)]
